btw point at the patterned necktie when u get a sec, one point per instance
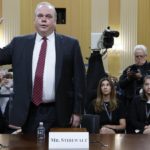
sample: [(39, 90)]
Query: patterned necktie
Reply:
[(38, 81)]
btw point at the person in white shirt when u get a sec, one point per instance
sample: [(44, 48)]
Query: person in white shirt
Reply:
[(60, 104)]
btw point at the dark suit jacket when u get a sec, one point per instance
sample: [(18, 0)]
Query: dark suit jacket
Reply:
[(69, 77), (137, 114)]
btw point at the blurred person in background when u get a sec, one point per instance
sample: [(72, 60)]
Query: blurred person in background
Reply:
[(6, 91), (131, 80), (140, 110)]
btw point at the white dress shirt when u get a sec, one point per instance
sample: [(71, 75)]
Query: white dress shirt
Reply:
[(49, 69)]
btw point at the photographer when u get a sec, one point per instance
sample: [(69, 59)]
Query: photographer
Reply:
[(132, 78)]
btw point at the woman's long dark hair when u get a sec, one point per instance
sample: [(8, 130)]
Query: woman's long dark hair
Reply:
[(100, 101)]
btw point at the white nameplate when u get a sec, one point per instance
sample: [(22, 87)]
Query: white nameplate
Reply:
[(68, 140)]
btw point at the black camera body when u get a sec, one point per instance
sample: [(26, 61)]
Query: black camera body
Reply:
[(109, 33), (134, 69), (108, 37), (106, 40)]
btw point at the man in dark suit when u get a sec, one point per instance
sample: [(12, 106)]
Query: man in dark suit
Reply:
[(63, 76)]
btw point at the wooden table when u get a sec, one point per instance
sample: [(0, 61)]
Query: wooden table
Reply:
[(22, 142), (120, 142), (97, 142)]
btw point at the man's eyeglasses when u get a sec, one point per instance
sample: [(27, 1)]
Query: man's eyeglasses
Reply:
[(139, 56)]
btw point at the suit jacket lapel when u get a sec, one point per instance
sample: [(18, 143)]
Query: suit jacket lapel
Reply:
[(29, 54), (59, 59)]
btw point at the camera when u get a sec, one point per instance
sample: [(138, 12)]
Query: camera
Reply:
[(107, 39), (108, 33), (134, 69)]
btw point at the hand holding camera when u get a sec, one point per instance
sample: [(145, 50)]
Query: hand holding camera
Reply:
[(134, 72)]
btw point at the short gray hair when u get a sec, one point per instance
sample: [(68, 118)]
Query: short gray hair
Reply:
[(48, 5), (140, 47)]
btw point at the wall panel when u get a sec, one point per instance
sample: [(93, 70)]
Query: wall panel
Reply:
[(128, 31), (114, 53), (11, 23), (27, 15), (0, 8), (99, 20), (114, 14), (143, 34), (1, 26)]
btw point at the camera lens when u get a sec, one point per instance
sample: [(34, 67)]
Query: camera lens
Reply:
[(115, 33)]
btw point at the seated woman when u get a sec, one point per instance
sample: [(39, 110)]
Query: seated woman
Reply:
[(110, 110), (140, 110)]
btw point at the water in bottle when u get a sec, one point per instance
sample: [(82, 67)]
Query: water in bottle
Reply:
[(41, 132)]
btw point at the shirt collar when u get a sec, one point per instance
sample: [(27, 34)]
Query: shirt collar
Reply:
[(39, 37)]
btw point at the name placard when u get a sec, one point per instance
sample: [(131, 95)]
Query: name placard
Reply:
[(68, 140)]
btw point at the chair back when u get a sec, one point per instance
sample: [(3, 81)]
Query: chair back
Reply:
[(91, 123)]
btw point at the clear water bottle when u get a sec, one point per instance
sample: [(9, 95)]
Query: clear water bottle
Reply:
[(41, 132)]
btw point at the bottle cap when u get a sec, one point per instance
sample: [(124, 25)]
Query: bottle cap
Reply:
[(41, 123)]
